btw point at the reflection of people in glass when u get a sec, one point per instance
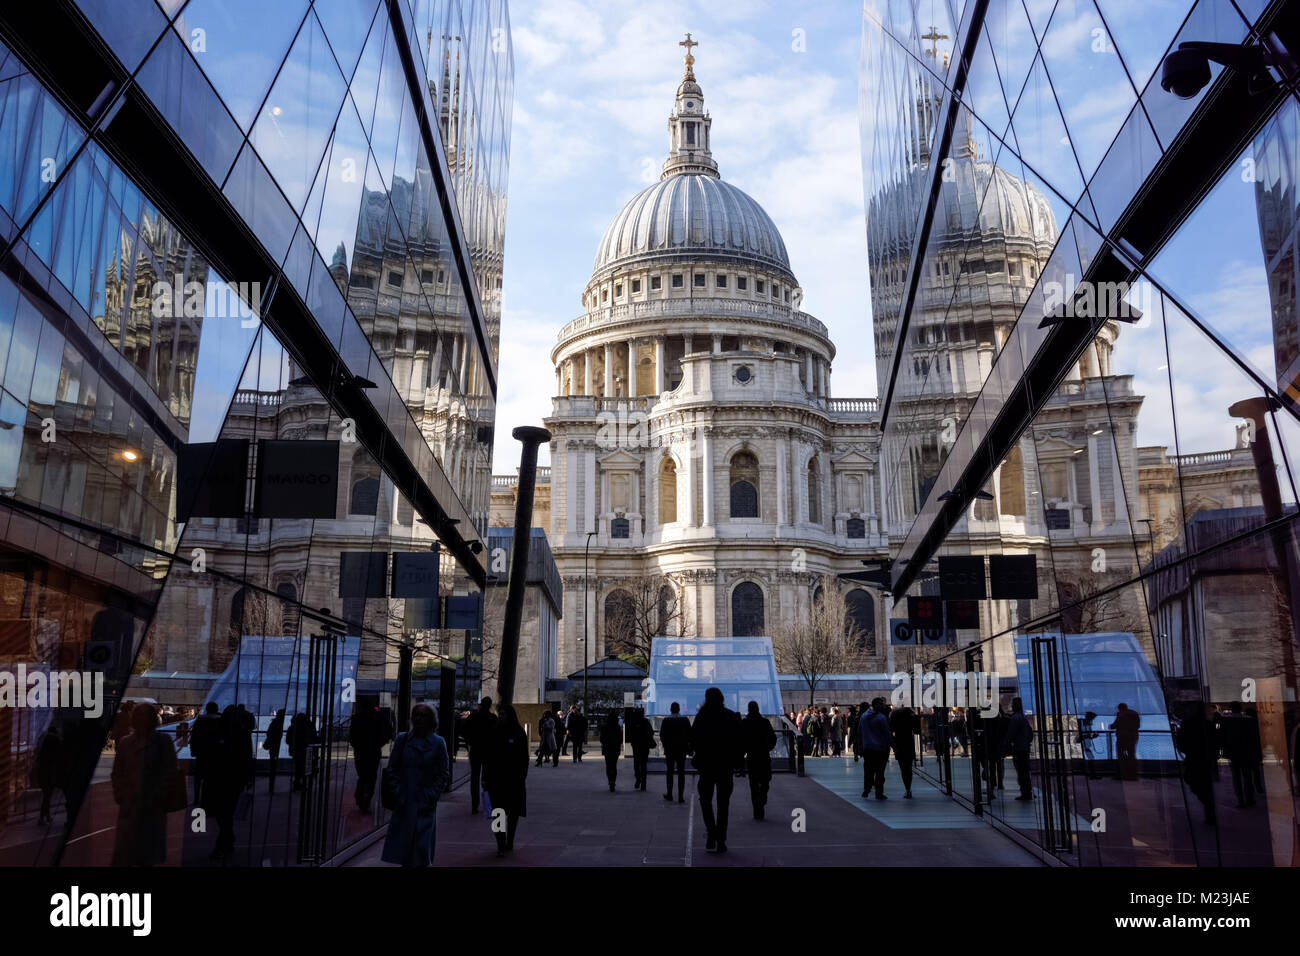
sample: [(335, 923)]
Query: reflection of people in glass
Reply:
[(505, 775), (204, 737), (1126, 725), (1242, 746), (1086, 737), (301, 735), (49, 768), (1020, 736), (142, 770), (1195, 740), (370, 730), (230, 775), (420, 763), (274, 736)]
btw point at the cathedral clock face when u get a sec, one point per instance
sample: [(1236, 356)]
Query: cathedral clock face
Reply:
[(690, 104), (744, 375)]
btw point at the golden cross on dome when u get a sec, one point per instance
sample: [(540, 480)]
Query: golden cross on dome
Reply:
[(690, 60), (934, 36)]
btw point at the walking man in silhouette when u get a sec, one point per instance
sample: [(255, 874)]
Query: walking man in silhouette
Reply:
[(675, 735), (480, 734), (759, 739), (1020, 736), (716, 738)]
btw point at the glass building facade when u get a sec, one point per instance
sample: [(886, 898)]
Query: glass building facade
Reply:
[(1084, 302), (249, 310)]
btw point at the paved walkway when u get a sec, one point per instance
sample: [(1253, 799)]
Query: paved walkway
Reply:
[(573, 820)]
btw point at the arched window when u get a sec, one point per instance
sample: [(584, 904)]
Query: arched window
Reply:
[(667, 491), (364, 497), (620, 623), (667, 616), (1011, 484), (860, 620), (744, 485), (814, 492), (747, 610)]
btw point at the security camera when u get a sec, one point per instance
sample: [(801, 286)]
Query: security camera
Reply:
[(1186, 71)]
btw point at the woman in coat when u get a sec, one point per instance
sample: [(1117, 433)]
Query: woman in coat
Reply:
[(505, 775), (419, 762)]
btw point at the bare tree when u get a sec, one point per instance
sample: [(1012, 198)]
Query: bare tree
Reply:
[(641, 609), (820, 642)]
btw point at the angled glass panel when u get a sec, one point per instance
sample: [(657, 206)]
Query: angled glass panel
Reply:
[(299, 114), (130, 27), (1219, 262), (1090, 83), (1142, 32), (1125, 168), (1013, 43), (1208, 21), (240, 45), (346, 23), (1041, 135)]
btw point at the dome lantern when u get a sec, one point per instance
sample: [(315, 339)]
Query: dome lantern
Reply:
[(689, 126)]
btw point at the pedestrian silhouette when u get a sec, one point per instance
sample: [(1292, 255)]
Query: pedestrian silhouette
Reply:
[(204, 738), (1019, 738), (578, 732), (274, 738), (301, 736), (143, 768), (480, 735), (716, 738), (369, 731), (758, 740), (505, 778), (675, 736), (1127, 725), (611, 747), (874, 739), (1195, 739), (903, 726), (641, 735), (231, 775)]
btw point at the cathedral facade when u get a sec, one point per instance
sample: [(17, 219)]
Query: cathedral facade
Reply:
[(696, 449)]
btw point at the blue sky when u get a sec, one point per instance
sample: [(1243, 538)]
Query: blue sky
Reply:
[(594, 83)]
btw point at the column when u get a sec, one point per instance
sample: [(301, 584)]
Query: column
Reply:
[(609, 373), (687, 500), (435, 367), (661, 379), (808, 373), (688, 342), (631, 369), (780, 484), (706, 485), (821, 378), (571, 493), (586, 372), (589, 485), (717, 344)]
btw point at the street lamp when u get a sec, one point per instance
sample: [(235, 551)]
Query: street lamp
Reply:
[(586, 620)]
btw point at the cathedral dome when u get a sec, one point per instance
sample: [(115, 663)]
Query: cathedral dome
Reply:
[(693, 214)]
